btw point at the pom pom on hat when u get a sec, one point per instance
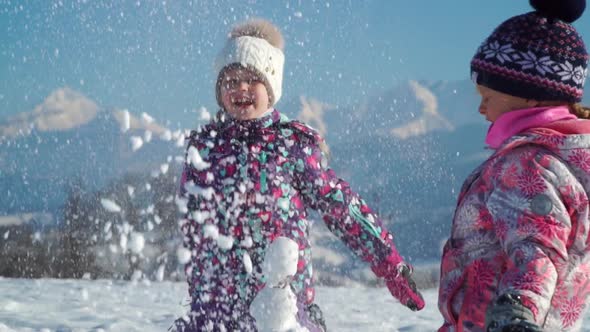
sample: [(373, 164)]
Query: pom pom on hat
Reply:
[(565, 10), (259, 28)]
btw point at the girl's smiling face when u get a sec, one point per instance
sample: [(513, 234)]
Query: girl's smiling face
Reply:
[(495, 103), (243, 93)]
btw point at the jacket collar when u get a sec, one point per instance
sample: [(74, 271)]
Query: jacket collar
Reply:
[(245, 129), (512, 123)]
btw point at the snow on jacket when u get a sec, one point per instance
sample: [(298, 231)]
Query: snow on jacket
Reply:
[(248, 182), (521, 227)]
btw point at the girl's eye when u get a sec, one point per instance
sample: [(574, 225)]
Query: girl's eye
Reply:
[(234, 82), (231, 82)]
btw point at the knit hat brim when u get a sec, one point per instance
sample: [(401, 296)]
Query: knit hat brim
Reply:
[(519, 84)]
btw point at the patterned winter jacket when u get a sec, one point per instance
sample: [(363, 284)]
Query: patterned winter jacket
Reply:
[(251, 182), (521, 227)]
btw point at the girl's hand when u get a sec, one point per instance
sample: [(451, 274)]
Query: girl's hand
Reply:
[(508, 314), (398, 278)]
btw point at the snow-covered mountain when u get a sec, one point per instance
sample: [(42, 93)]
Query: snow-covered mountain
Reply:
[(65, 109), (68, 138), (411, 109)]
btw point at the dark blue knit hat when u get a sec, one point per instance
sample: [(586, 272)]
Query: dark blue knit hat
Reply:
[(538, 55)]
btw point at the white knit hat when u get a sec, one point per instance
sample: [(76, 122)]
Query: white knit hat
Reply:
[(257, 54)]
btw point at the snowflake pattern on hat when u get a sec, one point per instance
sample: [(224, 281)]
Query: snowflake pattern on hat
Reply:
[(533, 57)]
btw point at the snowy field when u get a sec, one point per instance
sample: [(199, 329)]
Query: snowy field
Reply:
[(83, 305), (50, 305)]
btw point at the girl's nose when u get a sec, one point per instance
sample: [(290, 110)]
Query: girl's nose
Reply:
[(243, 85)]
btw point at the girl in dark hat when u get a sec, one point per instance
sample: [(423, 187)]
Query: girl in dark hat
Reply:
[(518, 258)]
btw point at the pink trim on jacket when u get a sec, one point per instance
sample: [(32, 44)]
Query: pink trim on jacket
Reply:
[(514, 122), (570, 127)]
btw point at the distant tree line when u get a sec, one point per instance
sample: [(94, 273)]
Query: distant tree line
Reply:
[(92, 241)]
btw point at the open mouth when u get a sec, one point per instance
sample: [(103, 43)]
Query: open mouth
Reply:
[(243, 102)]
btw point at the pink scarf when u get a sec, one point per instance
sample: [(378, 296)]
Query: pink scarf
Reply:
[(514, 122)]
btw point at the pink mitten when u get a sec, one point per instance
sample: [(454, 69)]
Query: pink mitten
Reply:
[(397, 275)]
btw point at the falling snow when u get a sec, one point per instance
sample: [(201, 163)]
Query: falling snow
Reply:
[(126, 123), (109, 205), (136, 142), (183, 255)]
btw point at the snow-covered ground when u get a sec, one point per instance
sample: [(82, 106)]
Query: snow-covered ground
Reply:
[(50, 305), (103, 305)]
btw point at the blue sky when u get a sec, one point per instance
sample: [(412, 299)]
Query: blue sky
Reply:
[(157, 56)]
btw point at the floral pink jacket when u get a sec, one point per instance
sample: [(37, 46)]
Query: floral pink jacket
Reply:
[(521, 226)]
